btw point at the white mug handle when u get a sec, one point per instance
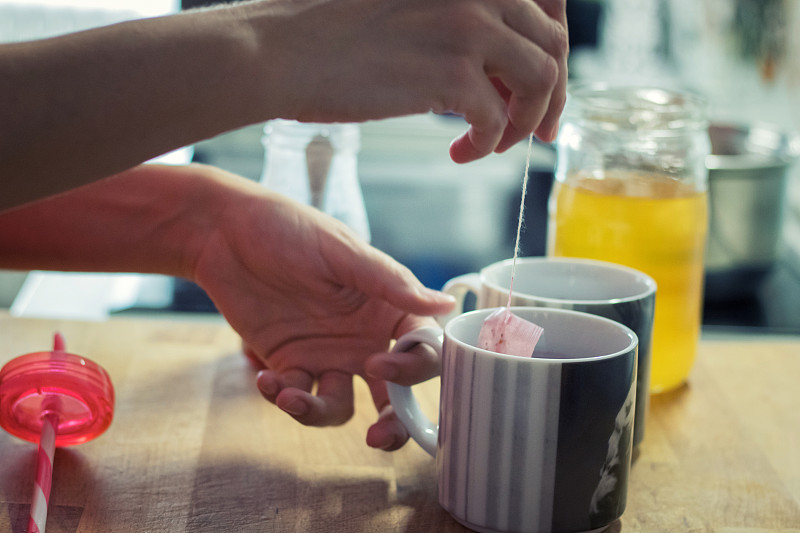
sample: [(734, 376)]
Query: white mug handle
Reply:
[(458, 287), (404, 403)]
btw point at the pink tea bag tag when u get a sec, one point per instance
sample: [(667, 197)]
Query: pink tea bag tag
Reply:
[(503, 331), (506, 333)]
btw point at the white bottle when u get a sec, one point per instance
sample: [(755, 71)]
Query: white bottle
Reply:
[(317, 164)]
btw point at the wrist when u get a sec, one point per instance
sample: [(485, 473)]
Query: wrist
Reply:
[(192, 201)]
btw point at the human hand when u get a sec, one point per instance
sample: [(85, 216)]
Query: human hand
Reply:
[(310, 299), (501, 64), (419, 364), (388, 433), (312, 302)]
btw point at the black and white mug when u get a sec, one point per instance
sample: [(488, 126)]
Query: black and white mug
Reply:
[(598, 287), (540, 444)]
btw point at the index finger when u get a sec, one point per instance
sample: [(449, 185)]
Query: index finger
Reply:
[(380, 276), (536, 109), (548, 128)]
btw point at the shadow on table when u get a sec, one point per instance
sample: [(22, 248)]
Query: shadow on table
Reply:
[(70, 469), (226, 498)]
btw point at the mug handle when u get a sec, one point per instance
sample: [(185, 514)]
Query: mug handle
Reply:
[(458, 287), (402, 398)]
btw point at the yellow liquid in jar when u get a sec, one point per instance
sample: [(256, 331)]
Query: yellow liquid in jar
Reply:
[(651, 223)]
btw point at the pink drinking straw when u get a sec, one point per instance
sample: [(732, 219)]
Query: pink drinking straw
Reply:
[(44, 474), (53, 399), (44, 461)]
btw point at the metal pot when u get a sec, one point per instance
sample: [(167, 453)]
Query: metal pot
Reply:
[(747, 172)]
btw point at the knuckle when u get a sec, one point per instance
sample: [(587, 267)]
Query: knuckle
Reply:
[(559, 40), (557, 101), (459, 71), (548, 75), (504, 5), (550, 72), (495, 123), (463, 21), (553, 7)]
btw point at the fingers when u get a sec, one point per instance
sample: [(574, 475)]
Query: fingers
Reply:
[(388, 433), (478, 141), (333, 404), (270, 383), (291, 392), (419, 364), (334, 400), (406, 368), (541, 107), (528, 101), (531, 66), (527, 111), (486, 113), (548, 128)]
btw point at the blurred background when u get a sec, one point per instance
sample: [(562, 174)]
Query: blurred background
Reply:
[(442, 219)]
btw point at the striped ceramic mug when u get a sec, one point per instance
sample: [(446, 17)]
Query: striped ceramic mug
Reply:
[(539, 444), (597, 287)]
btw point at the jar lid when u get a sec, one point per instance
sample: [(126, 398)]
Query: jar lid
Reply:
[(654, 110)]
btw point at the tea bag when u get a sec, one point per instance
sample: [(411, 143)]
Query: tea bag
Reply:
[(503, 331)]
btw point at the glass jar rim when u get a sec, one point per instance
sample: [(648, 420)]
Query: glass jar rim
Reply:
[(634, 108)]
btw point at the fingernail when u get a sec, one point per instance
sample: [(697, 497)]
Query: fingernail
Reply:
[(437, 295), (266, 386), (296, 408)]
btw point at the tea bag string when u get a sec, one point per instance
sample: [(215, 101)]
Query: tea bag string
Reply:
[(519, 220)]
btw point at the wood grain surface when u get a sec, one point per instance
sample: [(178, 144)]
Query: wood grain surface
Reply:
[(194, 447)]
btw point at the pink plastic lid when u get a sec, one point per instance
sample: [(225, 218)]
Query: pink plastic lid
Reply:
[(78, 390)]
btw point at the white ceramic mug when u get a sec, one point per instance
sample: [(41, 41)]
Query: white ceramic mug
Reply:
[(598, 287), (539, 444)]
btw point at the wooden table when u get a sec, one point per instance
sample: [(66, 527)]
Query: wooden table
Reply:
[(193, 446)]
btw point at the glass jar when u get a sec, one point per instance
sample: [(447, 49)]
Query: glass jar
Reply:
[(317, 164), (631, 188)]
